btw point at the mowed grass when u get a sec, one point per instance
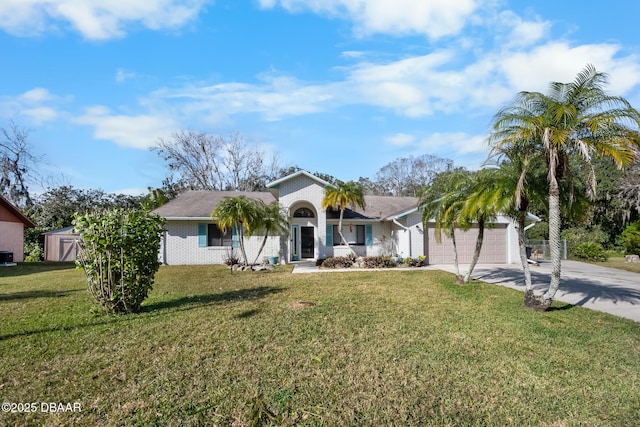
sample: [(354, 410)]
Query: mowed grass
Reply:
[(620, 263), (378, 348)]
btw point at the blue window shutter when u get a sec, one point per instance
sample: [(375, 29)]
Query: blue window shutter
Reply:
[(234, 236), (202, 235), (368, 235), (329, 235)]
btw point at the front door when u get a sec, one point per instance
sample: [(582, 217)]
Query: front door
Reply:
[(307, 239)]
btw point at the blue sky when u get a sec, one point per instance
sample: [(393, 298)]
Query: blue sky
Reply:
[(336, 86)]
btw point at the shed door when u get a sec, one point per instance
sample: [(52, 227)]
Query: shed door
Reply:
[(68, 250)]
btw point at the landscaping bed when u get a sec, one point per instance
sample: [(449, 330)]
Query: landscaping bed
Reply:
[(353, 261)]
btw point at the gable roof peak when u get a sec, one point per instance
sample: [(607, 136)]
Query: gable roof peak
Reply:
[(17, 213), (301, 172)]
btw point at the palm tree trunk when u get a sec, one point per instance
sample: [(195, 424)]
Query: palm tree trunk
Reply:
[(340, 231), (476, 252), (554, 241), (264, 241), (455, 257), (528, 284), (240, 233)]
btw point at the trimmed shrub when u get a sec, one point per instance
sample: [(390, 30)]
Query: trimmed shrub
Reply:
[(338, 262), (378, 262), (414, 262), (119, 255), (590, 251)]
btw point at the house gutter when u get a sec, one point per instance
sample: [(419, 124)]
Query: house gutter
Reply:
[(188, 218), (534, 218)]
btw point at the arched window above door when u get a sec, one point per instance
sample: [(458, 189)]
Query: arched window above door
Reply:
[(304, 213)]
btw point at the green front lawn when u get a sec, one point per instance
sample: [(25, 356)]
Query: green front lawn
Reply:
[(377, 348), (619, 262)]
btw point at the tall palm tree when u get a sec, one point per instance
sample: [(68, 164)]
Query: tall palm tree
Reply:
[(442, 203), (271, 220), (239, 213), (577, 119), (341, 195)]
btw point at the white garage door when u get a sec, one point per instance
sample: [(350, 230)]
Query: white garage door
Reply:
[(494, 247)]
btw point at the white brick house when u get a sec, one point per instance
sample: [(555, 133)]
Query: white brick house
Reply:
[(387, 226)]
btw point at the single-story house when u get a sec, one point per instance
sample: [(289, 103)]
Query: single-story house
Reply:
[(61, 244), (12, 224), (387, 226)]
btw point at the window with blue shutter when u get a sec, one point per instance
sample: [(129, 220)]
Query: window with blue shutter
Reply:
[(329, 235), (368, 234), (202, 235), (234, 237)]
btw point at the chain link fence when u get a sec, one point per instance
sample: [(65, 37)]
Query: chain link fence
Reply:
[(540, 250)]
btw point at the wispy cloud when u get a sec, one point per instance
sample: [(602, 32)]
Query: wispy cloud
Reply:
[(400, 17), (36, 106), (401, 139), (95, 19), (123, 75), (412, 87), (136, 131)]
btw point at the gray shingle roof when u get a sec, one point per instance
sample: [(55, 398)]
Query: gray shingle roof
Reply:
[(199, 204), (381, 207)]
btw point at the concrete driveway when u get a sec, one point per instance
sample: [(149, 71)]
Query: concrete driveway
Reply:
[(585, 285)]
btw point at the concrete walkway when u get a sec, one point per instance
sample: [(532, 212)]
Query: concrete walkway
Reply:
[(586, 285)]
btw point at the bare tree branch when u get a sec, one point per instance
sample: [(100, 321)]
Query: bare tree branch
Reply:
[(209, 162), (18, 164)]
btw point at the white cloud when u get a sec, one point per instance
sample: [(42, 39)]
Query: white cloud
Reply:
[(432, 18), (558, 62), (513, 31), (36, 106), (95, 19), (39, 115), (36, 95), (139, 131), (352, 54), (459, 143), (401, 139), (132, 191), (123, 75), (414, 87), (276, 97)]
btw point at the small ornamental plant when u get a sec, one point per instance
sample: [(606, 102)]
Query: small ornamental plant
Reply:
[(119, 255)]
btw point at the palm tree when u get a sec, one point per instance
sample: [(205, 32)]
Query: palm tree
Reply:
[(272, 221), (442, 202), (480, 207), (341, 195), (239, 213), (514, 186), (575, 119)]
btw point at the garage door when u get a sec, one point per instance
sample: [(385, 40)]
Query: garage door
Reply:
[(494, 247)]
